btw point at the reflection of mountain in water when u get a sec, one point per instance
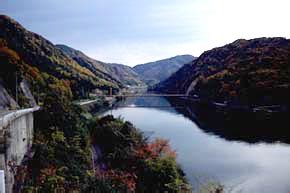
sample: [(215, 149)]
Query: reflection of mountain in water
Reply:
[(237, 125), (228, 124)]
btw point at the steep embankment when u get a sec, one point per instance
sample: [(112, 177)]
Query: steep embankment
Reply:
[(154, 72), (253, 71), (120, 72)]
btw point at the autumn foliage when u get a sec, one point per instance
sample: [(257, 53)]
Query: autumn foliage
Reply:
[(158, 148), (133, 162)]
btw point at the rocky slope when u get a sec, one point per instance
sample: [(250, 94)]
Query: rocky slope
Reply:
[(6, 101), (253, 71), (122, 73), (154, 72)]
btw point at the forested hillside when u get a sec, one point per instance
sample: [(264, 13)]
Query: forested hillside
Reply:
[(120, 72), (38, 61), (253, 71)]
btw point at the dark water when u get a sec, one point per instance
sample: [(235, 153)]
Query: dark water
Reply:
[(241, 166)]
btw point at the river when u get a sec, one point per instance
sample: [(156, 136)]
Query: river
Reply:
[(204, 156)]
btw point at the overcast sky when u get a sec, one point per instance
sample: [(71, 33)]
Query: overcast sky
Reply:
[(138, 31)]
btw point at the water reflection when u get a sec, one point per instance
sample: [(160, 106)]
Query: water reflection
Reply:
[(260, 167), (237, 125)]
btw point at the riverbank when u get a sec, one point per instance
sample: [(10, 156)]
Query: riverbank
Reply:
[(126, 158), (129, 162)]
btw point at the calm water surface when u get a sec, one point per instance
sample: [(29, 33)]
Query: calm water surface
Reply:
[(249, 168)]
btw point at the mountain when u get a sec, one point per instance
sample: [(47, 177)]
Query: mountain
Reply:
[(178, 82), (255, 71), (125, 74), (36, 61), (154, 72), (120, 72)]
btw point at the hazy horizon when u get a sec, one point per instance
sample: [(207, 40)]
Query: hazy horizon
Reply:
[(132, 33)]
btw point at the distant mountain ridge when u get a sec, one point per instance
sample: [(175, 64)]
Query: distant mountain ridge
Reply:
[(44, 66), (154, 72), (120, 72), (255, 71), (149, 73), (126, 74)]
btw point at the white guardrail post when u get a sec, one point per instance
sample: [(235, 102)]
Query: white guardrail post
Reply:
[(2, 181)]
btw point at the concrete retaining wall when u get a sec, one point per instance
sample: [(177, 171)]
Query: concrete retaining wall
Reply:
[(16, 137)]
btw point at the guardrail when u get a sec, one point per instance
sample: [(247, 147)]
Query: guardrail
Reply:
[(11, 115)]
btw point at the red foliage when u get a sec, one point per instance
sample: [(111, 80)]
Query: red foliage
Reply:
[(34, 73), (157, 148)]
